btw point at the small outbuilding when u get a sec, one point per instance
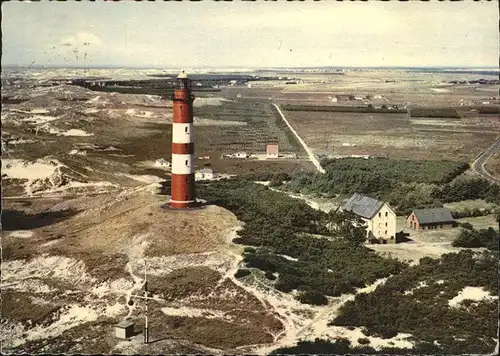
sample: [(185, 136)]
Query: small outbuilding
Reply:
[(125, 329), (240, 155), (430, 219), (272, 151), (204, 174)]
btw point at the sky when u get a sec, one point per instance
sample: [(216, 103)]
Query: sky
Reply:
[(251, 34)]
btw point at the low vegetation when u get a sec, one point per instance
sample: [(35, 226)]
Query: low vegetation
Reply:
[(416, 302), (216, 333), (184, 282), (405, 184), (342, 346), (284, 232), (471, 238), (435, 113), (337, 108)]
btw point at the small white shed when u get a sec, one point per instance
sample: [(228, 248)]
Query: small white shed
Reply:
[(125, 329), (204, 174)]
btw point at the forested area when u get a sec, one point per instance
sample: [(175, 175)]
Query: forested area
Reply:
[(342, 346), (405, 184), (276, 225), (471, 238), (416, 302)]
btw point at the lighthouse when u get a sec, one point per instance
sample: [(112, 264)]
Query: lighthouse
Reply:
[(183, 193)]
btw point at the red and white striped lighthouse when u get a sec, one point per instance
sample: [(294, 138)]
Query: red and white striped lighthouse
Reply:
[(183, 188)]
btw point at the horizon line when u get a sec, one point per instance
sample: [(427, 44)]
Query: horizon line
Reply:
[(41, 66)]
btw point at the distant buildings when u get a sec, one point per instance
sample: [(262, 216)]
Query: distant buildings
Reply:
[(162, 163), (236, 155), (379, 217), (430, 219), (204, 174), (240, 155), (272, 151), (344, 97)]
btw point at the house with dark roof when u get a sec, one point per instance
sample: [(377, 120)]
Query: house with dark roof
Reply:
[(430, 219), (380, 219)]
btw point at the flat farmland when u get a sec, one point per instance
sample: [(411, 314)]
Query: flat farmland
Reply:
[(241, 125), (493, 165), (395, 135)]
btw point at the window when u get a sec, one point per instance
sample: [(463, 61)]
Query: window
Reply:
[(385, 232), (386, 214), (441, 226), (385, 224), (180, 106), (186, 162), (379, 215), (186, 129)]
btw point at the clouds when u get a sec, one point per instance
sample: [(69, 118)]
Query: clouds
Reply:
[(81, 39), (250, 33)]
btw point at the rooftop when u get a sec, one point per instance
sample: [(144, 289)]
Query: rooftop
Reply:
[(363, 206), (125, 324), (433, 216)]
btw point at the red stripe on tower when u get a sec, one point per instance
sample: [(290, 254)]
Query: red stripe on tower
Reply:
[(183, 193)]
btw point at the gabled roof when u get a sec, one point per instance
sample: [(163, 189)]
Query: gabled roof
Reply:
[(433, 216), (363, 206)]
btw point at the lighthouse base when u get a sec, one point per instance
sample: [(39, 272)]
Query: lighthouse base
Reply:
[(184, 205), (176, 204)]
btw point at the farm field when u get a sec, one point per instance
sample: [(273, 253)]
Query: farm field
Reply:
[(493, 165), (394, 135)]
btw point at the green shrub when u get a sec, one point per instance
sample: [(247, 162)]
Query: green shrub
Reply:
[(312, 297), (240, 273), (269, 275), (363, 341), (249, 249), (467, 226), (472, 238)]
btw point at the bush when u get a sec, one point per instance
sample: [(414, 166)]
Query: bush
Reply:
[(472, 238), (470, 213), (363, 341), (312, 297), (269, 275), (466, 225), (240, 273), (249, 249)]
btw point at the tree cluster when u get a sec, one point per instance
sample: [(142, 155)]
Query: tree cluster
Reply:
[(277, 225), (405, 184), (416, 301), (471, 238)]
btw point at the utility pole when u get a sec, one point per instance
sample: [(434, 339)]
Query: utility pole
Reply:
[(146, 328), (146, 299)]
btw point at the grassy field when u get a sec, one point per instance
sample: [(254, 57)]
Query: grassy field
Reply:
[(394, 135), (469, 204), (493, 165)]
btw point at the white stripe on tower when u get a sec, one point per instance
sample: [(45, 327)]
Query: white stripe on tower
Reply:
[(182, 163), (182, 133)]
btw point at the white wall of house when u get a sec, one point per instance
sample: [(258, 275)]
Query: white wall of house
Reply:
[(383, 224), (204, 175)]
